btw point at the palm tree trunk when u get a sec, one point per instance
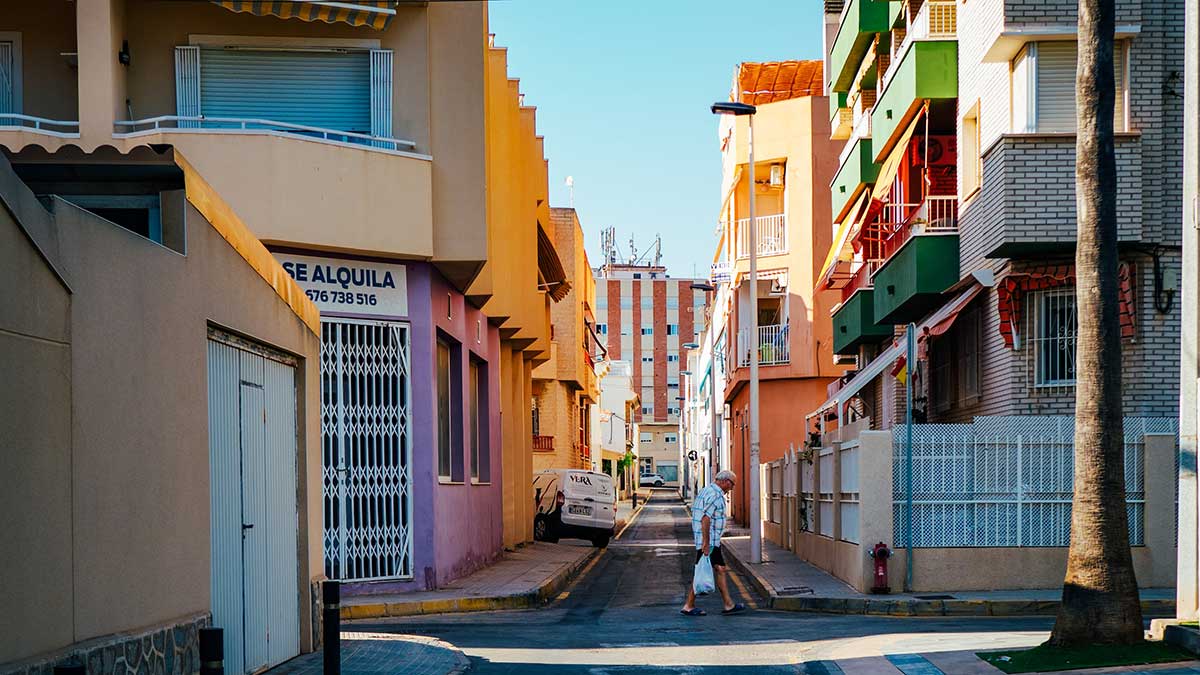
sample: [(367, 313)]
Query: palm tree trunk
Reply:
[(1100, 596)]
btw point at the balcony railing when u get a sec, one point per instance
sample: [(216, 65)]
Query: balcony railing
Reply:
[(938, 214), (41, 125), (543, 443), (772, 235), (934, 20), (862, 276), (772, 345), (201, 123)]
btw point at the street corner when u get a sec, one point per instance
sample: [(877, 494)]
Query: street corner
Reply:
[(384, 654)]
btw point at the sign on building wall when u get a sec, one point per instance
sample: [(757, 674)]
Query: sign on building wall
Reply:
[(350, 286), (720, 273)]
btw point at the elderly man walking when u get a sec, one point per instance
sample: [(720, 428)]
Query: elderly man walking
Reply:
[(708, 524)]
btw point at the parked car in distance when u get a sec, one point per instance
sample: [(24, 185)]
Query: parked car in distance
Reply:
[(573, 503), (653, 479)]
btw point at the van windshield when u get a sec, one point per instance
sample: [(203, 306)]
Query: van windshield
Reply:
[(582, 484)]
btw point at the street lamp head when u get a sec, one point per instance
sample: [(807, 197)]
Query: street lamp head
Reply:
[(685, 372), (733, 108), (709, 288), (690, 345)]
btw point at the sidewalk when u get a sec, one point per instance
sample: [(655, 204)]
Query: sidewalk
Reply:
[(526, 577), (384, 654), (791, 584)]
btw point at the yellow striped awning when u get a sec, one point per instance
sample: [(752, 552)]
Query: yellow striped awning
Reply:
[(377, 14), (841, 250), (891, 165)]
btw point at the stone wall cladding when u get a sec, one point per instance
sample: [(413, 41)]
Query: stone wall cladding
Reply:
[(171, 649)]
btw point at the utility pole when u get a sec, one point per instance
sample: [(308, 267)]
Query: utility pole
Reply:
[(1188, 586)]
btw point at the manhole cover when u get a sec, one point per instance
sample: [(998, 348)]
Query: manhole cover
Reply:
[(934, 597)]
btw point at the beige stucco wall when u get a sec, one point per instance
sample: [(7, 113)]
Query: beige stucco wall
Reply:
[(134, 498), (35, 450)]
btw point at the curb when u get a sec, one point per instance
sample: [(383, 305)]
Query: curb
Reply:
[(541, 595), (884, 606)]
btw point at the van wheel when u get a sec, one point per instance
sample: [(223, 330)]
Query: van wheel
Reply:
[(601, 541), (543, 530), (658, 483)]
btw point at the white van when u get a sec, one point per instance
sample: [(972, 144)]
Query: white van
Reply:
[(574, 503)]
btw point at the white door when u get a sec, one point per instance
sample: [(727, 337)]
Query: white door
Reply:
[(252, 449)]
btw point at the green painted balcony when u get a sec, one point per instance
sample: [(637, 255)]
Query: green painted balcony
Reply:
[(854, 324), (858, 171), (911, 282), (861, 20), (928, 71)]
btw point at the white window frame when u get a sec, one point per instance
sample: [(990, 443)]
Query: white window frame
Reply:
[(1029, 83), (1039, 340)]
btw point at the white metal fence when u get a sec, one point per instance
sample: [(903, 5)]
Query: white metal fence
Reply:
[(1004, 481), (849, 497), (772, 345), (772, 235)]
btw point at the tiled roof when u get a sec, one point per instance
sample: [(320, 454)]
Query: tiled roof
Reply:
[(760, 83)]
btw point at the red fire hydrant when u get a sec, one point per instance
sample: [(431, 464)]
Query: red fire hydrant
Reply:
[(880, 554)]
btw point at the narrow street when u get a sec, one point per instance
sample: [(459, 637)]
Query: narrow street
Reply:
[(622, 616)]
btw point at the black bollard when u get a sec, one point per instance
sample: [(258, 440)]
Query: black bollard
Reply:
[(72, 667), (212, 651), (331, 619), (635, 499)]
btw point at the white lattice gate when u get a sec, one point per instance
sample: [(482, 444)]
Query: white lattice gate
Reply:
[(366, 449)]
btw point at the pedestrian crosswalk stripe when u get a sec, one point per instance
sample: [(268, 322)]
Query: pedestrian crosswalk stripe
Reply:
[(913, 664)]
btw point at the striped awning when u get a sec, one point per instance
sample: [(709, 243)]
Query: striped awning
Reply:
[(377, 14)]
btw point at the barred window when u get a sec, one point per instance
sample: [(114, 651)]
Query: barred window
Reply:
[(1053, 336)]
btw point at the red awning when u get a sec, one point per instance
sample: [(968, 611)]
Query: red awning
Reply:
[(1013, 287)]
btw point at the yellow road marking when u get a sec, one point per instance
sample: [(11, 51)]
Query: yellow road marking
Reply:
[(742, 587)]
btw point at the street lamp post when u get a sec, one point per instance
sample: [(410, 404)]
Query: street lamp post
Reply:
[(747, 110)]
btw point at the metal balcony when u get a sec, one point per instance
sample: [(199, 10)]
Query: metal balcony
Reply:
[(772, 236), (772, 345)]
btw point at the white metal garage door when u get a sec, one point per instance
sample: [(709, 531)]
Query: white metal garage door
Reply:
[(366, 449), (252, 460)]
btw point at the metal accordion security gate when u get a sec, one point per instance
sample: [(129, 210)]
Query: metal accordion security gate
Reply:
[(366, 449)]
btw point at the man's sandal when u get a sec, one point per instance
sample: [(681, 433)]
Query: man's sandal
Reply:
[(695, 611), (737, 608)]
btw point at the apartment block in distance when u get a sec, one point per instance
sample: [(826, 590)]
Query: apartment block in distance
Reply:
[(645, 317)]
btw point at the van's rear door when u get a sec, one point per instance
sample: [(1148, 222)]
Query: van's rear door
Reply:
[(590, 499)]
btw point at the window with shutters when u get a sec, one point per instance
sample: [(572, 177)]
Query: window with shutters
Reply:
[(972, 157), (1043, 87), (10, 75), (302, 90)]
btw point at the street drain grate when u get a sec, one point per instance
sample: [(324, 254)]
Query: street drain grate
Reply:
[(795, 590), (934, 597)]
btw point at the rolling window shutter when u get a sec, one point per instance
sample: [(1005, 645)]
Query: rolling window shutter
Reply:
[(329, 90), (381, 93), (1120, 61), (1056, 86), (187, 83), (8, 79)]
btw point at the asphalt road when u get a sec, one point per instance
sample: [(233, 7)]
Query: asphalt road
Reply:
[(622, 615)]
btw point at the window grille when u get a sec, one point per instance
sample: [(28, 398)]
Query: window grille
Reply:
[(1053, 336)]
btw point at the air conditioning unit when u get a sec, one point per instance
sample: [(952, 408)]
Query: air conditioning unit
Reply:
[(776, 175)]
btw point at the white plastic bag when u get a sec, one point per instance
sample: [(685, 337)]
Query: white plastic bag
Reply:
[(702, 580)]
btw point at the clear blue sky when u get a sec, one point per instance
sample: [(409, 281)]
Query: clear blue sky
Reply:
[(656, 169)]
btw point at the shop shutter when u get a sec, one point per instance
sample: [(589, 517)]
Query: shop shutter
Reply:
[(326, 89)]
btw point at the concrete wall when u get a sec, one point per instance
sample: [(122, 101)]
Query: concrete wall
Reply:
[(124, 474)]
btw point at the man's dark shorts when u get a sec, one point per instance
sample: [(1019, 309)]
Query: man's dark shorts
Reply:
[(715, 557)]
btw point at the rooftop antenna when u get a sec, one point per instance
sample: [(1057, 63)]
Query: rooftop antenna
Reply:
[(632, 251), (571, 187), (657, 250)]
